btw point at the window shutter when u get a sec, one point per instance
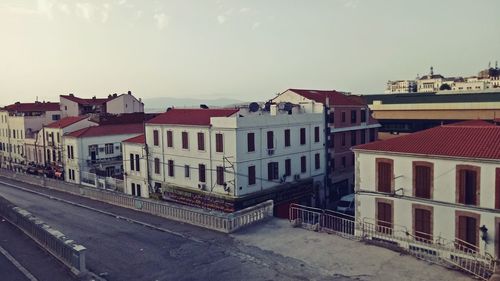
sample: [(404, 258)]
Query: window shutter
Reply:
[(497, 189), (461, 186)]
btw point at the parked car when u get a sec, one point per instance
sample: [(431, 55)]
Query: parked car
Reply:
[(346, 205)]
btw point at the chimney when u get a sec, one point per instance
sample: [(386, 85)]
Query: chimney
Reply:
[(129, 92), (115, 95), (93, 97), (109, 96), (71, 95)]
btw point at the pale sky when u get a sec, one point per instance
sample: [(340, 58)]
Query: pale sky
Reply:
[(247, 50)]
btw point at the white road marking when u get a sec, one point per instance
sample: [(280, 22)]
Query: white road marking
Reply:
[(17, 265)]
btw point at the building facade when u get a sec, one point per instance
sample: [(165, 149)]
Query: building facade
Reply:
[(349, 122), (401, 86), (95, 152), (72, 105), (18, 123), (135, 175), (228, 159), (441, 183)]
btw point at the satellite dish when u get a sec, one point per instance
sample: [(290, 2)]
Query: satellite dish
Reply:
[(253, 107), (203, 106), (267, 106)]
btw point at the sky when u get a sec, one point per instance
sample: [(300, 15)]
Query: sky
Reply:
[(246, 50)]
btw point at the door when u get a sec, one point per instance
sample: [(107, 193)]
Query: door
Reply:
[(384, 217)]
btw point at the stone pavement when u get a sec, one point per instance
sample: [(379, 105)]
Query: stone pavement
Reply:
[(332, 254)]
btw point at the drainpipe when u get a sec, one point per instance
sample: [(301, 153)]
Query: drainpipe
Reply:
[(146, 150), (210, 156), (326, 111), (44, 148)]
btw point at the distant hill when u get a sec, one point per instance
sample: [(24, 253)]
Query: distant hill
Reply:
[(161, 104)]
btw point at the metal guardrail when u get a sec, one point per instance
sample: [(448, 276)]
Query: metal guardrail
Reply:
[(451, 253), (64, 249), (218, 221)]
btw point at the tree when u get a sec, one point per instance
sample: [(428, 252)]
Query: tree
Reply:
[(444, 87)]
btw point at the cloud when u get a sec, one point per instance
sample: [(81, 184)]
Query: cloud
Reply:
[(64, 8), (105, 12), (255, 25), (352, 4), (161, 20), (85, 10), (221, 19), (244, 10), (44, 7)]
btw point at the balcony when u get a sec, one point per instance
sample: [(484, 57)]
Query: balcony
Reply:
[(110, 160)]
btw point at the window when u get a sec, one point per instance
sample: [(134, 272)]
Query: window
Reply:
[(363, 136), (137, 163), (58, 137), (251, 142), (363, 115), (270, 140), (372, 135), (156, 138), (287, 137), (384, 174), (353, 138), (201, 173), (185, 140), (108, 148), (302, 136), (468, 184), (110, 171), (201, 141), (342, 139), (331, 118), (219, 143), (384, 217), (468, 230), (353, 116), (157, 166), (303, 164), (497, 189), (272, 171), (56, 117), (317, 161), (316, 134), (220, 175), (70, 152), (288, 167), (422, 219), (343, 117), (186, 171), (170, 139), (422, 179), (251, 175), (132, 166), (171, 168), (132, 185)]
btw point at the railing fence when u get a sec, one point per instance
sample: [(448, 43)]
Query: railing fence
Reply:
[(451, 253)]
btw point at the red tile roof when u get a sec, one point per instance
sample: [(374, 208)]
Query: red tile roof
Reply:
[(473, 123), (92, 101), (463, 141), (107, 130), (139, 139), (335, 98), (192, 116), (65, 122), (33, 106)]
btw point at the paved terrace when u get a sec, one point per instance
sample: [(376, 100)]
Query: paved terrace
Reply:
[(127, 245)]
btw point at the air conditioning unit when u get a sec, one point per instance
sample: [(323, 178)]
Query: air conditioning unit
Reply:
[(270, 151), (296, 177), (202, 186)]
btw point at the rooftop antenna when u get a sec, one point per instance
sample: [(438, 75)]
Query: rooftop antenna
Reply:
[(432, 70), (496, 64), (489, 64)]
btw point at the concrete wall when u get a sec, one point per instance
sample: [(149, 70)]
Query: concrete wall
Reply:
[(133, 176), (68, 107), (125, 103)]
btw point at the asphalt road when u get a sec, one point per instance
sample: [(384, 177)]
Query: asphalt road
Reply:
[(9, 271), (122, 250)]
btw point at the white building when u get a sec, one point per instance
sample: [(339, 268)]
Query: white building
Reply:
[(231, 158), (95, 152), (46, 148), (443, 182), (401, 86), (135, 167), (19, 122), (72, 105), (349, 123)]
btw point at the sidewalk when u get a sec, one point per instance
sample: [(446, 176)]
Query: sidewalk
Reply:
[(336, 255), (39, 263)]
